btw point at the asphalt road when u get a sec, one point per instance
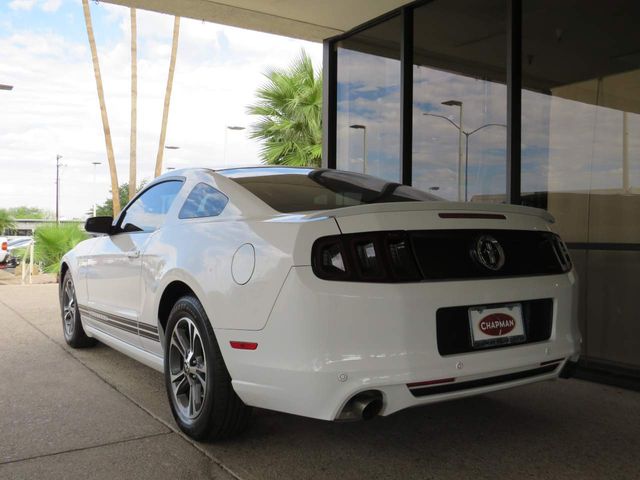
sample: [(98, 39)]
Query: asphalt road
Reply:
[(97, 414)]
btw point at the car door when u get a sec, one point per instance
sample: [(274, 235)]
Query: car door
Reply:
[(202, 202), (114, 284)]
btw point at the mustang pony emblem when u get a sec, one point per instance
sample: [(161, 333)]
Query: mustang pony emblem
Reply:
[(488, 252)]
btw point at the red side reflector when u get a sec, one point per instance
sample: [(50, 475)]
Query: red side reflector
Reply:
[(4, 245), (243, 345), (430, 382), (486, 216)]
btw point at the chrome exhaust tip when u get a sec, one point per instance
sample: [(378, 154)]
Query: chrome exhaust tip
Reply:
[(363, 406)]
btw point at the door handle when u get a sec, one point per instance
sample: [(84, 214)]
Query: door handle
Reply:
[(133, 253)]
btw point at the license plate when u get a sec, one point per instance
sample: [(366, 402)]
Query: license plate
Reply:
[(491, 326)]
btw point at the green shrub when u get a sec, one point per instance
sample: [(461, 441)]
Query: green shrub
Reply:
[(53, 241)]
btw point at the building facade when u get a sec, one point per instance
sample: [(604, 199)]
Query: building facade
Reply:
[(533, 102)]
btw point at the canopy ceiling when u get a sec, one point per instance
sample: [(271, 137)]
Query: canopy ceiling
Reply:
[(304, 19)]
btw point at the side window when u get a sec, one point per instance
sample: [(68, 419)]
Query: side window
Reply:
[(148, 211), (203, 201)]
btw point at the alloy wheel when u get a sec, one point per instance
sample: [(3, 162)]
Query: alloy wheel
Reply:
[(69, 307), (187, 369)]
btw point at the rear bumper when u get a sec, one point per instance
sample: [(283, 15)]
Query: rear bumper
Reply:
[(327, 341)]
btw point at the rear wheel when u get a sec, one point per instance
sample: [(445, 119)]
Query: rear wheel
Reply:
[(202, 400), (74, 334)]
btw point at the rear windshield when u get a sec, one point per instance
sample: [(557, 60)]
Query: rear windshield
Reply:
[(303, 189)]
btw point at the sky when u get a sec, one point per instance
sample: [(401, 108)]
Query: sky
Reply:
[(53, 108)]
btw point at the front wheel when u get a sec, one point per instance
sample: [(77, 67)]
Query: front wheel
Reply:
[(72, 329), (202, 400)]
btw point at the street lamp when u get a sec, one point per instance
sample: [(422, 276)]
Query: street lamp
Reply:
[(171, 147), (364, 144), (226, 130), (458, 103), (58, 157), (464, 184), (95, 164)]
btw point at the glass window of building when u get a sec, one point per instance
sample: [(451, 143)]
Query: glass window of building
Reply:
[(459, 99), (368, 95), (581, 154)]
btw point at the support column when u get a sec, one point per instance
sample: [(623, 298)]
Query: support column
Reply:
[(514, 100), (406, 96)]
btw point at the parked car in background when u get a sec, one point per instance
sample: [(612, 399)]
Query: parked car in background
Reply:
[(4, 250), (322, 293)]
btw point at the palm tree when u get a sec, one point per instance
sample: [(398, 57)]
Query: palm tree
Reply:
[(167, 96), (6, 221), (290, 110), (53, 241), (103, 108), (134, 105)]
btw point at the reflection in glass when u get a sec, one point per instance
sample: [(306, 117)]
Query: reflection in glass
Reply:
[(459, 100), (581, 155), (147, 212), (203, 201), (368, 110)]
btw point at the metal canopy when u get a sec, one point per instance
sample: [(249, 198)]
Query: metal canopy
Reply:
[(303, 19)]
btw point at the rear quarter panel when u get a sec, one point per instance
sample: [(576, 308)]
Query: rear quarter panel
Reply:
[(200, 253)]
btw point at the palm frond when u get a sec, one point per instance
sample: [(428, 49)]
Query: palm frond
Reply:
[(289, 107)]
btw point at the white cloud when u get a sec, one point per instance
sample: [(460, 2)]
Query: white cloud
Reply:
[(22, 4), (51, 5)]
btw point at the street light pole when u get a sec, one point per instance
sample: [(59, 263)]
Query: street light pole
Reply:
[(466, 157), (95, 164), (461, 180), (226, 130), (364, 145), (58, 157)]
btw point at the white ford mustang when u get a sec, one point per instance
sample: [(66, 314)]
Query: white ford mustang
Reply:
[(322, 293)]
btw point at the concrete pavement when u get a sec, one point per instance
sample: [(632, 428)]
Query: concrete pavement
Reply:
[(95, 413)]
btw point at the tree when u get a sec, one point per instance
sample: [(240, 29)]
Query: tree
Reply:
[(6, 221), (103, 107), (53, 241), (134, 105), (290, 108), (29, 212), (167, 96), (106, 209)]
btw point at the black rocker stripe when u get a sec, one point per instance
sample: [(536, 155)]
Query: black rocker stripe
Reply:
[(111, 316), (131, 326), (148, 328), (111, 323), (144, 334)]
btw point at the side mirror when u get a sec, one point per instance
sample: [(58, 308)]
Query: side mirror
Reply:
[(99, 225)]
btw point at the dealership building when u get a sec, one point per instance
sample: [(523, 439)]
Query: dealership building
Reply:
[(533, 102)]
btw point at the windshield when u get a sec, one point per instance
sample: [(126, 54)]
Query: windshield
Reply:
[(289, 189)]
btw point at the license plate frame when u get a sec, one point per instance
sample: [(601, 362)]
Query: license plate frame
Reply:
[(496, 317)]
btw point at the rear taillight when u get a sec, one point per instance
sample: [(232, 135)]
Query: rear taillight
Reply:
[(5, 246), (365, 257), (562, 254)]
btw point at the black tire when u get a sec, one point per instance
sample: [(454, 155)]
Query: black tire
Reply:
[(217, 411), (72, 329)]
